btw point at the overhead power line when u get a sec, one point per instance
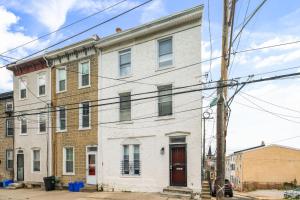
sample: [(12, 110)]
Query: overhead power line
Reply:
[(84, 31)]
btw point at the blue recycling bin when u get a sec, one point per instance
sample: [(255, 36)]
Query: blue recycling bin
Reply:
[(71, 187), (76, 187)]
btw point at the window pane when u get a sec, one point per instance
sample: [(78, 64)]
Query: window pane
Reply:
[(69, 166), (125, 106), (125, 62), (62, 118), (23, 125), (62, 85), (9, 127), (85, 120), (42, 121), (42, 89), (85, 71), (69, 154), (36, 160), (61, 74), (69, 159), (85, 80), (9, 159), (165, 47), (165, 102), (23, 93), (85, 68), (124, 69)]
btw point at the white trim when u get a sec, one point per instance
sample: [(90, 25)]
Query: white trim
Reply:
[(119, 62), (58, 128), (6, 160), (165, 117), (80, 116), (80, 73), (32, 159), (22, 80), (158, 68), (64, 161), (38, 83), (57, 80)]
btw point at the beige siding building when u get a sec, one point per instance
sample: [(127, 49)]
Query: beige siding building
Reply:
[(6, 136), (263, 167), (74, 71)]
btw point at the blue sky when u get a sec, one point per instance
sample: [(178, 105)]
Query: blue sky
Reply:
[(276, 22)]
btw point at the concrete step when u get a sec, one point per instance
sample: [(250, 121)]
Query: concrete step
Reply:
[(180, 190), (14, 186), (176, 195)]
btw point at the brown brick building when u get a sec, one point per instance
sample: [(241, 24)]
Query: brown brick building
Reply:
[(6, 136), (74, 72)]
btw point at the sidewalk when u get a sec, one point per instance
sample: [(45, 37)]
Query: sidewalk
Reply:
[(263, 194)]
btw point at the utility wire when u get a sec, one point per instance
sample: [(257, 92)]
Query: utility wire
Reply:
[(84, 31), (59, 29)]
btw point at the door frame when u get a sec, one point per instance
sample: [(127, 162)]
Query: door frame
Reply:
[(86, 163), (171, 146), (23, 167)]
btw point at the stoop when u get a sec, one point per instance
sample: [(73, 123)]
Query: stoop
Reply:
[(205, 194), (178, 192)]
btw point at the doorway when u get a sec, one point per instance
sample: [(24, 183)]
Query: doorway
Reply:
[(91, 165), (20, 167), (178, 166)]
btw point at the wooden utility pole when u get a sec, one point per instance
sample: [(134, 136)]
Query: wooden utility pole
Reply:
[(221, 106)]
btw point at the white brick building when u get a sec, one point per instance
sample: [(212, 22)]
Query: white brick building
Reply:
[(149, 144)]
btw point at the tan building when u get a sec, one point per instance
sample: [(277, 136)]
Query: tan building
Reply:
[(6, 136), (74, 72), (263, 167)]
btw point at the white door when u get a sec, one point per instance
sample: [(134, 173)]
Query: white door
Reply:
[(91, 167)]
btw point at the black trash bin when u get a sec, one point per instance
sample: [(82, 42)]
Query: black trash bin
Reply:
[(49, 183)]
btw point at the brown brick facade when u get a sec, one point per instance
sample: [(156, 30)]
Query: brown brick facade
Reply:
[(73, 137), (6, 143)]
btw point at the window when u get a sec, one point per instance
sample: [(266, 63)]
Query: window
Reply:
[(125, 62), (23, 125), (9, 127), (9, 106), (84, 74), (130, 165), (42, 122), (23, 89), (36, 160), (165, 52), (61, 119), (125, 106), (165, 100), (9, 159), (84, 115), (61, 79), (42, 84), (68, 160)]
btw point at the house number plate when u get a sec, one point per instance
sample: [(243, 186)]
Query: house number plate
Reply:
[(179, 168)]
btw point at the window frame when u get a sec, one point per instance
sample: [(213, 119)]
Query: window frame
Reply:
[(158, 56), (39, 122), (6, 128), (80, 86), (33, 161), (57, 79), (81, 115), (22, 117), (9, 103), (6, 159), (22, 81), (131, 161), (120, 53), (130, 109), (172, 100), (58, 127), (65, 160), (42, 74)]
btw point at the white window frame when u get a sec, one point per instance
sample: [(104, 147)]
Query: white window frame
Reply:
[(80, 115), (38, 85), (80, 74), (172, 97), (21, 126), (9, 103), (130, 107), (6, 128), (158, 57), (58, 128), (6, 152), (32, 160), (39, 120), (57, 79), (64, 161), (131, 159), (22, 81), (124, 51)]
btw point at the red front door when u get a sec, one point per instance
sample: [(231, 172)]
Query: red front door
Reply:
[(178, 165)]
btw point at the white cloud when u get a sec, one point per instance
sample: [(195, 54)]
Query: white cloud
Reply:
[(153, 11)]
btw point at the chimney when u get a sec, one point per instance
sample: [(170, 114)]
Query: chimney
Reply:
[(118, 30), (96, 37), (263, 143)]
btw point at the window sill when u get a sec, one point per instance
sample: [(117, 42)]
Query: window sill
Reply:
[(164, 68), (41, 133), (165, 118), (125, 122), (43, 95), (58, 92), (9, 135), (84, 129), (82, 87), (22, 134), (125, 77), (130, 176), (61, 131), (23, 99), (68, 174)]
